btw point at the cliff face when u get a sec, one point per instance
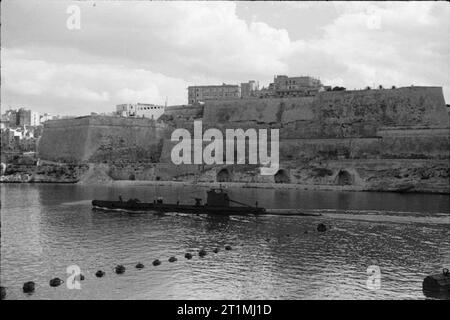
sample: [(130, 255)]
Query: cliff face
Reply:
[(394, 139)]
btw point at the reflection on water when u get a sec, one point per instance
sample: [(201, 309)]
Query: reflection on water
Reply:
[(46, 228)]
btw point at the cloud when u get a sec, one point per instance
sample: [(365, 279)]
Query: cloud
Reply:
[(81, 88), (135, 51)]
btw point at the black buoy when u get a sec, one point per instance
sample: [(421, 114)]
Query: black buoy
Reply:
[(437, 283), (139, 265), (321, 227), (156, 262), (119, 269), (306, 231), (188, 256), (3, 293), (99, 273), (80, 277), (227, 247), (216, 250), (28, 287), (202, 253), (55, 282), (172, 259)]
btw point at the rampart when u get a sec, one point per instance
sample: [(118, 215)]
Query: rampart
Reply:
[(101, 139), (388, 139)]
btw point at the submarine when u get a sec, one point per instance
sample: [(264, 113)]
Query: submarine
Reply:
[(217, 202)]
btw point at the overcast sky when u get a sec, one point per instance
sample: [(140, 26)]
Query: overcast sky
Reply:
[(146, 51)]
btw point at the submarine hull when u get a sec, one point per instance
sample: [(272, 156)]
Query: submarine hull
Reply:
[(141, 207)]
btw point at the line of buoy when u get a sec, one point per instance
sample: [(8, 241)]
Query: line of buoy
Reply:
[(29, 287)]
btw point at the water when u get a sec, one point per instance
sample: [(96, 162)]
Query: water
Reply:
[(46, 228)]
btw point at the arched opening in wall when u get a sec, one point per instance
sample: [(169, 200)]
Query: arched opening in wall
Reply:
[(344, 178), (132, 177), (282, 177), (223, 176)]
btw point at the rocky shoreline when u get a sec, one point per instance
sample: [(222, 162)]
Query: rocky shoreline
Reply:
[(275, 186)]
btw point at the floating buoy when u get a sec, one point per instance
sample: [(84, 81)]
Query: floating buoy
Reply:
[(306, 231), (2, 293), (99, 273), (321, 227), (172, 259), (156, 262), (437, 283), (119, 269), (216, 250), (202, 253), (139, 265), (227, 247), (188, 256), (267, 240), (55, 282), (28, 287), (80, 277)]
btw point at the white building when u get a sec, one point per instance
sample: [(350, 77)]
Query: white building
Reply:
[(140, 110), (45, 117)]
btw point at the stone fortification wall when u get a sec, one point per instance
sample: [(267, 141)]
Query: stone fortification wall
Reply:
[(334, 114), (101, 139)]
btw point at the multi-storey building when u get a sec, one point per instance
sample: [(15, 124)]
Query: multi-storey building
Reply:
[(22, 117), (197, 94), (296, 86), (249, 89), (140, 110)]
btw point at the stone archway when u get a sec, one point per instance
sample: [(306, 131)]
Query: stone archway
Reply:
[(344, 178), (282, 176), (223, 176)]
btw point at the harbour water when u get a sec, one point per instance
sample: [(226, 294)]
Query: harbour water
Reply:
[(45, 228)]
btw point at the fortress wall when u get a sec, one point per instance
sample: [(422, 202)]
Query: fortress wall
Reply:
[(101, 139), (334, 114), (64, 140), (260, 111), (392, 107)]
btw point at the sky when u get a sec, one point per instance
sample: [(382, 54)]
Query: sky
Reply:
[(150, 52)]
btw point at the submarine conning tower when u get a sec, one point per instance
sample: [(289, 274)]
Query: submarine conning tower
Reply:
[(218, 198)]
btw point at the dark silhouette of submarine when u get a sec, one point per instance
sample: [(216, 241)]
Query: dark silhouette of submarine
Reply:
[(218, 202)]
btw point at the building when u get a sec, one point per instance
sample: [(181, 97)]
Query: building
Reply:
[(199, 94), (27, 118), (249, 89), (140, 110), (46, 117), (296, 86), (22, 117)]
